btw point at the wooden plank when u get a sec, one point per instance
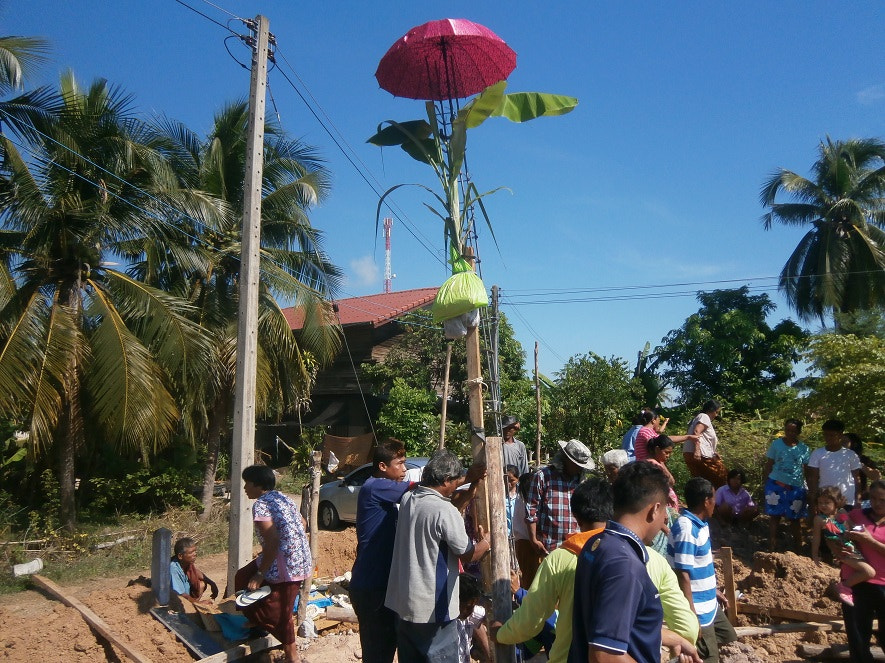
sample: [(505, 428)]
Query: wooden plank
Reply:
[(341, 613), (94, 621), (839, 653), (754, 631), (728, 582), (242, 650), (785, 613)]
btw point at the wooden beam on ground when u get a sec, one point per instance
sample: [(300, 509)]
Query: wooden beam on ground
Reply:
[(242, 650), (838, 653), (341, 613), (94, 621), (728, 581), (785, 613), (755, 631)]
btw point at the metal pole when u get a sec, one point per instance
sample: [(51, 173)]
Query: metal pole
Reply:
[(243, 451)]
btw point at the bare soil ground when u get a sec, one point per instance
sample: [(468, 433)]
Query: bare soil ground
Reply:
[(36, 627)]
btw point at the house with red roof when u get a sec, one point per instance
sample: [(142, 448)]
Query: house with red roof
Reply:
[(340, 400)]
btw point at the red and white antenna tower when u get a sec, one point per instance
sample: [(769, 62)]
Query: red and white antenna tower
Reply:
[(388, 276)]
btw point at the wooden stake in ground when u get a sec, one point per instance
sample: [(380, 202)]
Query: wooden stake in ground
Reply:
[(96, 622), (313, 530), (728, 582)]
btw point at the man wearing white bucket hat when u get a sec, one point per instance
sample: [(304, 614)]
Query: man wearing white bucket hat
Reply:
[(548, 512)]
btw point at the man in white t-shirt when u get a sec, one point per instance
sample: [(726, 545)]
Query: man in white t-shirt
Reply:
[(834, 465)]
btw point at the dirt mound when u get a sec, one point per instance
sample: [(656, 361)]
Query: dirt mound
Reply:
[(37, 627), (787, 580)]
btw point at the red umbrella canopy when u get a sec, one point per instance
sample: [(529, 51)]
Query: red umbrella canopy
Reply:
[(447, 59)]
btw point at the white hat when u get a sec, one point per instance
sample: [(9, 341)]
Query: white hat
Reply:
[(577, 452)]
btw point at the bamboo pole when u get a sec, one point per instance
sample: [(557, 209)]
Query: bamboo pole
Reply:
[(445, 398), (537, 410)]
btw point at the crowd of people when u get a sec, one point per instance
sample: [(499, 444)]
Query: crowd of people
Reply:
[(607, 566)]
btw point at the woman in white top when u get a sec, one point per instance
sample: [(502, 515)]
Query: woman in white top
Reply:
[(701, 457)]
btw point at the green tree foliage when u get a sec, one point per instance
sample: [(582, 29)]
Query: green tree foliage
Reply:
[(592, 398), (86, 350), (408, 416), (727, 350), (839, 265), (418, 358), (850, 382), (19, 56), (203, 266)]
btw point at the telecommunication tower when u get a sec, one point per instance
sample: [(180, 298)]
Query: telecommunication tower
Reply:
[(388, 276)]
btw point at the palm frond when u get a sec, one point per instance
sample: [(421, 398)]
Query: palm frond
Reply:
[(128, 396)]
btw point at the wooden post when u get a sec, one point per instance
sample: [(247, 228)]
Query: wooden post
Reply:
[(502, 597), (239, 550), (492, 455), (445, 398), (728, 581), (313, 530), (161, 574), (538, 410)]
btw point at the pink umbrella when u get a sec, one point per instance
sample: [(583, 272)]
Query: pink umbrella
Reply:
[(451, 58)]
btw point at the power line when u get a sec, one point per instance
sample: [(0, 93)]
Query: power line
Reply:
[(353, 158), (222, 9), (209, 18), (616, 298)]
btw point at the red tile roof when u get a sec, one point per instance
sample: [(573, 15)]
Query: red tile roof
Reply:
[(372, 309)]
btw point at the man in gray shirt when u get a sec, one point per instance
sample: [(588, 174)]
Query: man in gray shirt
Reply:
[(423, 586), (514, 450)]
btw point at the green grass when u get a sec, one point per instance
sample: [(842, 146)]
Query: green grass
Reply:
[(75, 558)]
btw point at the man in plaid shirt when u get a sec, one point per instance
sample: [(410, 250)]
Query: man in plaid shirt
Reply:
[(548, 511)]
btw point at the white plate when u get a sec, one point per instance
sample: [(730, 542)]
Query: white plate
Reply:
[(248, 598)]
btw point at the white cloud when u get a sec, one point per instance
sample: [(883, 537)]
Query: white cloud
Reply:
[(365, 271), (872, 94)]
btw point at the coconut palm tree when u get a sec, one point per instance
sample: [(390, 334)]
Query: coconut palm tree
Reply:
[(293, 268), (84, 345), (18, 56), (839, 265)]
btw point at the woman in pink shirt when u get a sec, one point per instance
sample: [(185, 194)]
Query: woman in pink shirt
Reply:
[(653, 426)]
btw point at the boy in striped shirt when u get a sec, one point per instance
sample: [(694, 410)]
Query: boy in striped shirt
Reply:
[(691, 556)]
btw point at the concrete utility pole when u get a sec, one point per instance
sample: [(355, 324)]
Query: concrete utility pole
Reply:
[(239, 551)]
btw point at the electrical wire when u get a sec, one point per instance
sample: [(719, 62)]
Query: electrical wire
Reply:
[(207, 17), (352, 157)]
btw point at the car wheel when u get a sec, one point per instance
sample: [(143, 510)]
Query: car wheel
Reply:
[(328, 516)]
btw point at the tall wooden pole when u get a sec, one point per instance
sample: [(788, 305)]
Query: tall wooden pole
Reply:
[(489, 513), (313, 528), (538, 410), (445, 398), (243, 451)]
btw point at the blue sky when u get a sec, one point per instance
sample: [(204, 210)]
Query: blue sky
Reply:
[(654, 179)]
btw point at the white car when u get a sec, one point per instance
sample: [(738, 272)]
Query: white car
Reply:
[(338, 498)]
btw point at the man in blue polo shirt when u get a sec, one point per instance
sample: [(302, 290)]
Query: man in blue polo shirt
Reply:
[(617, 612), (691, 556), (377, 508)]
